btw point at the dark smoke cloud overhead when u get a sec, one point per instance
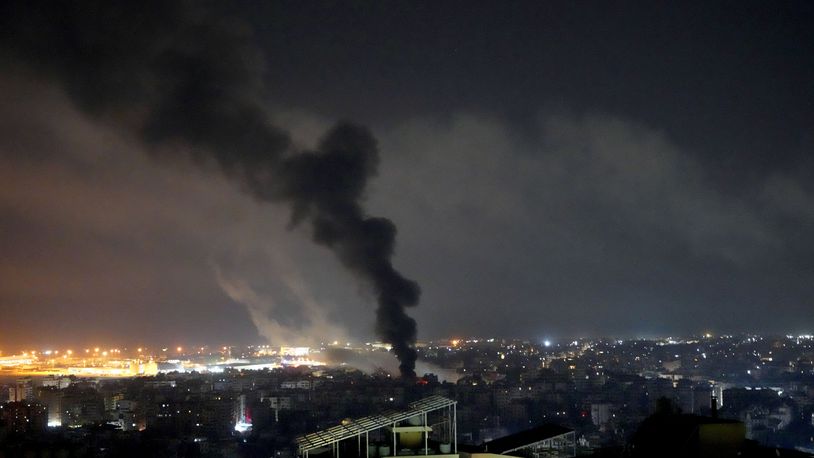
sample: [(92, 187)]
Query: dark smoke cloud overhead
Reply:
[(188, 80)]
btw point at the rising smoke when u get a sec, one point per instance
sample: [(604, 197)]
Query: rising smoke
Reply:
[(187, 79)]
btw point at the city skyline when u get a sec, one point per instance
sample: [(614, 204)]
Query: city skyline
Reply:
[(553, 170), (604, 393), (372, 357)]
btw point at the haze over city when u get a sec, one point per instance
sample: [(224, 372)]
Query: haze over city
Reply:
[(389, 229), (553, 171)]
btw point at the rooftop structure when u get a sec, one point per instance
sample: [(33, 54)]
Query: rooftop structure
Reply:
[(545, 440), (406, 429)]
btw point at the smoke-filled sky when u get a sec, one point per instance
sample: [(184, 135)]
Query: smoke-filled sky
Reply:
[(553, 169)]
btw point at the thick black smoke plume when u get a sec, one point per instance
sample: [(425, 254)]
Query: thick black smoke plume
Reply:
[(188, 80)]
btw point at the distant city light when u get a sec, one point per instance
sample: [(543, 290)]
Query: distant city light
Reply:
[(242, 427), (294, 351)]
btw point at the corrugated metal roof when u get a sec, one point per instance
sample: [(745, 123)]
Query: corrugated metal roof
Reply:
[(366, 424), (525, 438)]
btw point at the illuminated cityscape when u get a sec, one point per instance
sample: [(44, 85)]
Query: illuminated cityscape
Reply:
[(118, 363), (599, 390), (404, 228)]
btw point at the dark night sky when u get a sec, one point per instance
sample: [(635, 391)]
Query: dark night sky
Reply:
[(554, 169)]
